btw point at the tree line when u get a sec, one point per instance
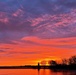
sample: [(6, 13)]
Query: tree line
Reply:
[(69, 61)]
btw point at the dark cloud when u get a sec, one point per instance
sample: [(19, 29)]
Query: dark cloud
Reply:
[(30, 52), (68, 3), (27, 52), (1, 51), (5, 48)]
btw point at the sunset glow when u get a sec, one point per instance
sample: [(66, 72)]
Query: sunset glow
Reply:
[(32, 31)]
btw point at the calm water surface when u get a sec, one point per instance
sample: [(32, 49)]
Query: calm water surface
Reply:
[(34, 72)]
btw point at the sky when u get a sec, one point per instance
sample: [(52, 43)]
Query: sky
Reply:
[(33, 31)]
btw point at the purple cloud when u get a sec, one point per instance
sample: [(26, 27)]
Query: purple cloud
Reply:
[(41, 18)]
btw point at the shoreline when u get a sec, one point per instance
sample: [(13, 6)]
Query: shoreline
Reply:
[(57, 67)]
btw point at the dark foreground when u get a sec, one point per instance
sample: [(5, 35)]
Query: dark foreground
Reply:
[(36, 72), (56, 67)]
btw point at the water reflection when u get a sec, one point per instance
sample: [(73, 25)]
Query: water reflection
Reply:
[(56, 72), (36, 72), (64, 72)]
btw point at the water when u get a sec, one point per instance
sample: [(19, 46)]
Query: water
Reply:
[(34, 72)]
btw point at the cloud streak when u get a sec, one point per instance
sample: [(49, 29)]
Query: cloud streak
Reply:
[(37, 29)]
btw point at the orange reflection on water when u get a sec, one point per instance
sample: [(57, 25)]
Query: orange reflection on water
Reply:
[(35, 72)]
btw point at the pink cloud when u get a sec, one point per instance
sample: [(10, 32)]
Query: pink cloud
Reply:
[(18, 13), (58, 42), (3, 17), (4, 20), (53, 23)]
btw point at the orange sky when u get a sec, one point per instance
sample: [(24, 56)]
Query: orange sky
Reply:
[(37, 51)]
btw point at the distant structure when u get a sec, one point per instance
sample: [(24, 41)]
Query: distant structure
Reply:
[(38, 65)]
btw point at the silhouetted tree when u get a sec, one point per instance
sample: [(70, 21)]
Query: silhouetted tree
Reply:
[(64, 61), (53, 63), (72, 60), (43, 62)]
